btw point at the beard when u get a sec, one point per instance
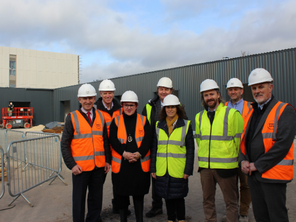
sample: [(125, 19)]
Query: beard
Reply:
[(212, 105)]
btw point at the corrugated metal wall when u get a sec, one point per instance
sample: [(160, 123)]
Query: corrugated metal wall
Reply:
[(186, 80), (40, 99)]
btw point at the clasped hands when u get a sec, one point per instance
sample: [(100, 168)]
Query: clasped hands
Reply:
[(248, 167), (131, 157)]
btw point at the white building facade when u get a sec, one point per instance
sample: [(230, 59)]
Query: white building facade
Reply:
[(26, 68)]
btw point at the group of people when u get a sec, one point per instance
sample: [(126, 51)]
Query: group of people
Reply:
[(237, 140)]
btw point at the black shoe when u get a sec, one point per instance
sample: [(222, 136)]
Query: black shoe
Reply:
[(153, 212)]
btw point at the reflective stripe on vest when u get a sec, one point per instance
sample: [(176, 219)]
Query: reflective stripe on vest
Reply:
[(122, 137), (108, 119), (87, 145), (225, 129), (284, 170), (171, 151), (219, 149)]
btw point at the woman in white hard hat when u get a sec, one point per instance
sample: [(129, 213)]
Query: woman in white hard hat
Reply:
[(172, 157), (130, 138)]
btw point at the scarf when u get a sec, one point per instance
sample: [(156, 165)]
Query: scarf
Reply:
[(171, 123)]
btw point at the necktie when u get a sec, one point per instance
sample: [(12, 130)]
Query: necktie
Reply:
[(88, 115)]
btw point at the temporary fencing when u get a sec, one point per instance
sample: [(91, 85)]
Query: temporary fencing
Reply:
[(31, 161)]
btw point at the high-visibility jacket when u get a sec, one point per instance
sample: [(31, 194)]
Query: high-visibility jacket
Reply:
[(284, 170), (148, 111), (171, 151), (108, 118), (218, 143), (122, 137), (246, 109), (87, 145)]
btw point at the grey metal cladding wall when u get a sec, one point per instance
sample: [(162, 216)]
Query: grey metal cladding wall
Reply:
[(40, 99), (187, 79)]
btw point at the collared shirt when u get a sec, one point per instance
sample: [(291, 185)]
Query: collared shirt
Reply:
[(238, 105), (91, 112), (106, 106), (261, 106)]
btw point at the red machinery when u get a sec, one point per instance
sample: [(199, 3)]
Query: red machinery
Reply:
[(19, 117)]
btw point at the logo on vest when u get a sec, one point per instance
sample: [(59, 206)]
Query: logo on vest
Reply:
[(141, 132), (99, 126), (270, 126)]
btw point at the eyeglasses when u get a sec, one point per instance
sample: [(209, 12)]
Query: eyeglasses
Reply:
[(129, 105)]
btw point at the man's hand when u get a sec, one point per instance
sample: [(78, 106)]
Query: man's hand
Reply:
[(245, 165), (107, 167), (76, 170), (252, 168), (185, 176), (153, 175)]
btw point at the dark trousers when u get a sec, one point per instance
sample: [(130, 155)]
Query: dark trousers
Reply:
[(175, 209), (115, 201), (269, 200), (138, 204), (93, 181), (156, 200)]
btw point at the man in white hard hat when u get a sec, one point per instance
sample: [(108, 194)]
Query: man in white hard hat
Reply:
[(267, 145), (235, 90), (110, 108), (151, 111), (86, 153), (218, 129)]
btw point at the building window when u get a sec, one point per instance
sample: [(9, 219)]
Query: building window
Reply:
[(12, 70)]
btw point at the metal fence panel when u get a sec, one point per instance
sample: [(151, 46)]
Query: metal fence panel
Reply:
[(31, 162), (3, 142), (13, 135)]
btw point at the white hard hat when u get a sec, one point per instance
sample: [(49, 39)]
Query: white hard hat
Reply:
[(129, 96), (165, 82), (234, 82), (208, 84), (86, 90), (259, 75), (107, 85), (171, 100)]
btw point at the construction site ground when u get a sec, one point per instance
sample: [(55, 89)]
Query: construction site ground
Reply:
[(53, 203)]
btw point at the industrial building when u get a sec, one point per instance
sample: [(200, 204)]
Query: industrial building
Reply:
[(53, 104), (26, 68)]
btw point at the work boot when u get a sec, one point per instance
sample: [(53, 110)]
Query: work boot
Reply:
[(243, 218), (153, 212)]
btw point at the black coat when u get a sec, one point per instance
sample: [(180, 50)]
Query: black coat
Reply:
[(131, 179), (166, 186)]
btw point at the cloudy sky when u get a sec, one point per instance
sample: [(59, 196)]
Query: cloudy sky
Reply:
[(124, 37)]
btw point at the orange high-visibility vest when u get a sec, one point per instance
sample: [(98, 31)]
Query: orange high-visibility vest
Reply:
[(246, 109), (87, 145), (284, 170), (108, 118), (122, 137)]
